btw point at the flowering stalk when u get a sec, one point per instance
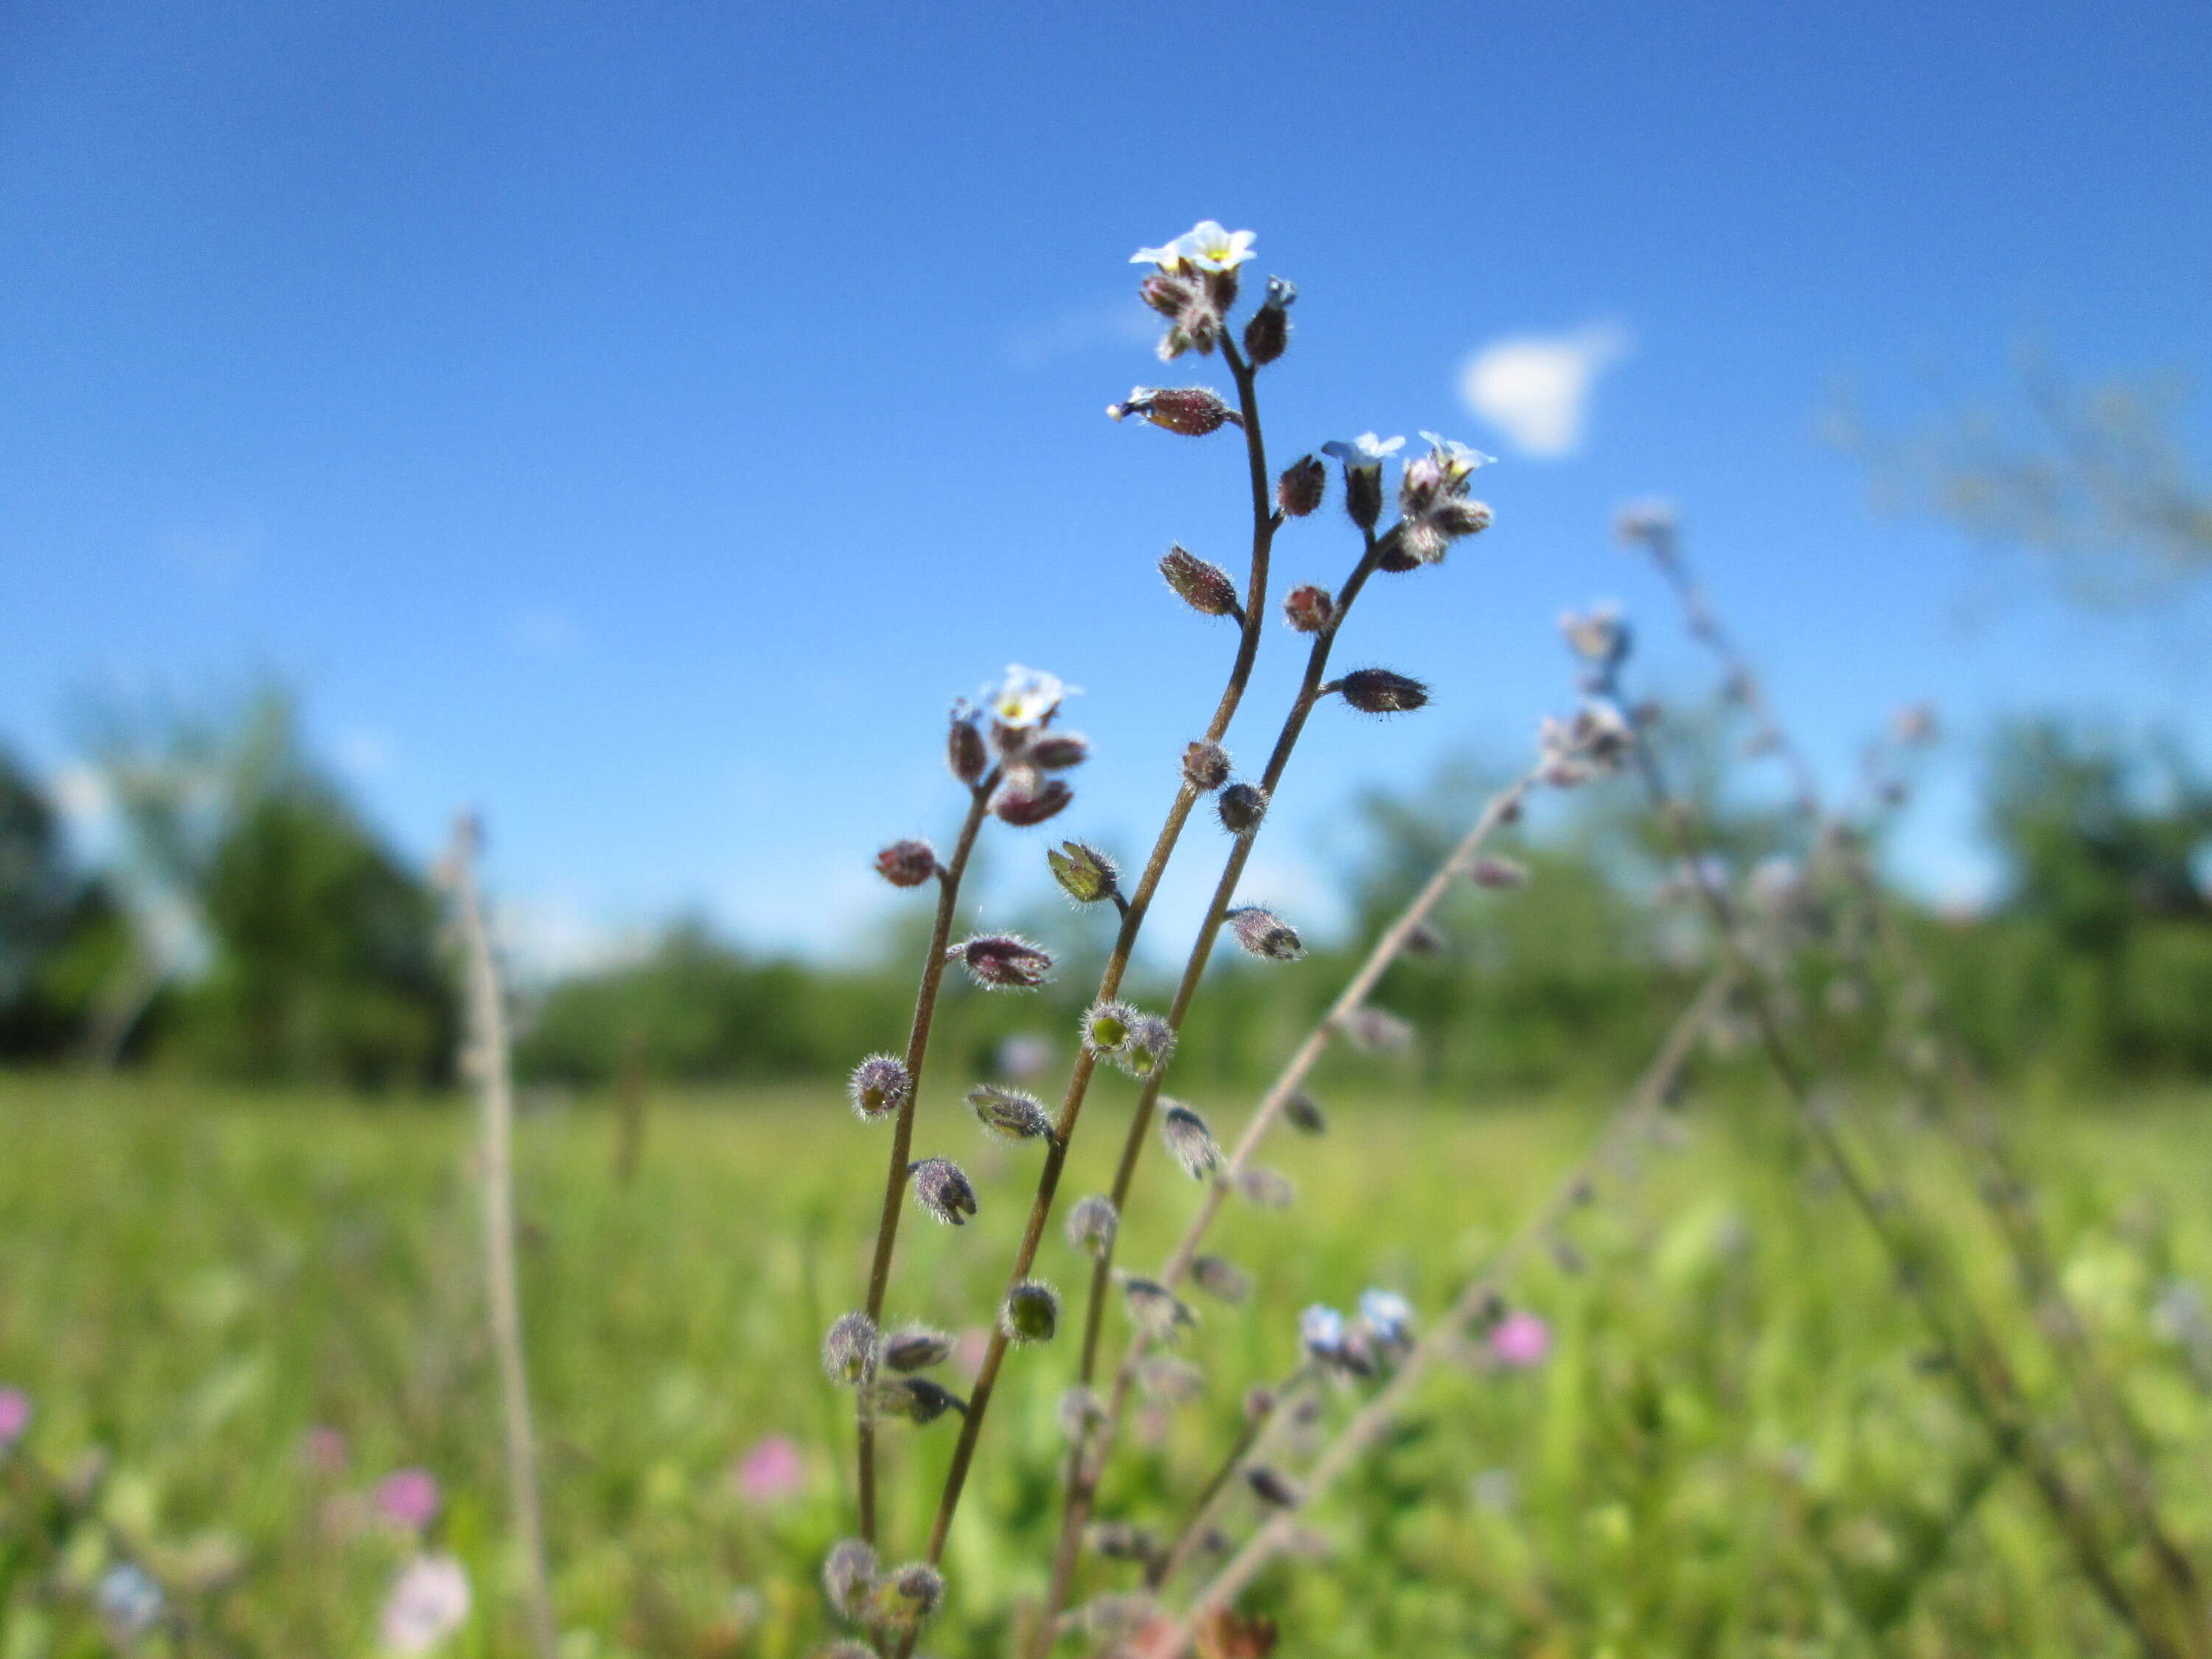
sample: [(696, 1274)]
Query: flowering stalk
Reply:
[(1368, 1425), (1259, 1421), (488, 1062), (948, 877), (2116, 1438), (1087, 1459)]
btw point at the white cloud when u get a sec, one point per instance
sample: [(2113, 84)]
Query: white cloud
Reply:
[(1535, 388), (1094, 327)]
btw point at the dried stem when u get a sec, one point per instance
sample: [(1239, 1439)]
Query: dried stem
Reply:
[(2116, 1438), (917, 1052), (488, 1063), (1367, 1425), (1265, 523), (1087, 1459)]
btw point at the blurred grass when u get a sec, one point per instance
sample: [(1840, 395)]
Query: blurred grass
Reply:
[(1734, 1448)]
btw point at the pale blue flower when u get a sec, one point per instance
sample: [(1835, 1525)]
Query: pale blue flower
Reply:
[(1365, 450), (1208, 245)]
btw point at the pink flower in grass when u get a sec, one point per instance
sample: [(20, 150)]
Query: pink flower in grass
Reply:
[(15, 1416), (771, 1470), (408, 1497), (1520, 1340), (324, 1452)]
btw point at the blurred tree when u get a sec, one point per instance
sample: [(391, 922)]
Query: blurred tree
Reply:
[(60, 934)]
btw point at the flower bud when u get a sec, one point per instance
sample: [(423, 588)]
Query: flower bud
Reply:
[(1093, 1224), (1273, 1488), (1268, 334), (1498, 872), (1193, 410), (915, 1399), (915, 1348), (1300, 491), (1151, 1041), (1321, 1331), (1221, 1279), (1265, 934), (1022, 807), (1379, 691), (943, 1190), (907, 863), (1303, 1114), (1056, 751), (848, 1352), (965, 751), (906, 1597), (1189, 1141), (1377, 1031), (1009, 1114), (1117, 1540), (1084, 874), (1204, 766), (1362, 494), (1309, 608), (1155, 1306), (848, 1574), (1203, 585), (1241, 807), (880, 1086), (1002, 962), (1030, 1313), (1270, 1190), (1395, 554), (1167, 1381)]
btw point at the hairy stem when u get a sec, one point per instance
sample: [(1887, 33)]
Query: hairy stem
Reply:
[(489, 1065)]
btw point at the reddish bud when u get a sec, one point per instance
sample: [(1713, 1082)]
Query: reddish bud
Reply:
[(1202, 586), (907, 863), (1056, 751), (1300, 489), (1205, 766), (1193, 410), (1024, 807), (1002, 962), (1379, 691), (964, 749), (1308, 609)]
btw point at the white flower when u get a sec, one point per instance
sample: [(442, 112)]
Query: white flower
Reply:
[(429, 1602), (1206, 245), (1024, 697), (1365, 450), (1455, 458), (1389, 1313)]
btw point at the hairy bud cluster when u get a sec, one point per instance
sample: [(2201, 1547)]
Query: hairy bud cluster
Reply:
[(942, 1189), (1434, 507), (1309, 608), (1302, 488), (1597, 740), (907, 863), (1190, 1142), (880, 1086), (1264, 935), (1138, 1043), (848, 1575), (1002, 962), (906, 1597), (1204, 766), (1202, 585), (1241, 808), (1193, 410), (1084, 873), (1009, 1114), (1380, 691)]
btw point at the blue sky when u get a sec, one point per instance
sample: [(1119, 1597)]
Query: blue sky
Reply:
[(640, 421)]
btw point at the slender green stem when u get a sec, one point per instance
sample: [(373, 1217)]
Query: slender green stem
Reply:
[(917, 1052), (1257, 1426)]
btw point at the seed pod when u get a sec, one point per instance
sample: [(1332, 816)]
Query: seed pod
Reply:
[(1241, 806), (915, 1399), (1093, 1224), (848, 1574), (1030, 1313), (907, 863), (848, 1352), (1268, 333), (1056, 751), (964, 749), (1201, 585), (1009, 1114), (1497, 873), (915, 1348), (1023, 807), (1205, 766), (1106, 1027), (1273, 1488), (1117, 1540), (1270, 1190), (1362, 494), (1309, 608), (1193, 410), (1167, 1381), (1265, 934), (880, 1085), (1222, 1279), (1084, 874), (1155, 1306), (1151, 1041), (1189, 1141), (943, 1190), (1300, 491), (1379, 691), (1002, 962), (906, 1597), (1378, 1032), (1304, 1113)]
